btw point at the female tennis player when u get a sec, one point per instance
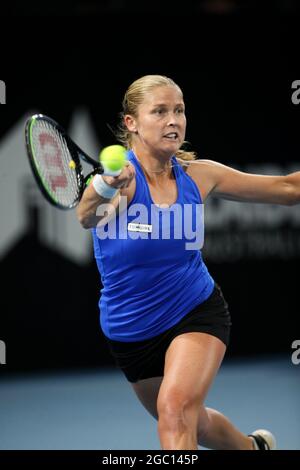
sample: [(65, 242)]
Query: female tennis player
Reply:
[(165, 319)]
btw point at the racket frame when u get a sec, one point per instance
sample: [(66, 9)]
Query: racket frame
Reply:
[(76, 152)]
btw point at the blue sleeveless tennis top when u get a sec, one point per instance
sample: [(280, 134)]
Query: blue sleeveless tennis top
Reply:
[(150, 263)]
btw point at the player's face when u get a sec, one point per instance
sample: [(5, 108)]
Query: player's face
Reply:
[(161, 122)]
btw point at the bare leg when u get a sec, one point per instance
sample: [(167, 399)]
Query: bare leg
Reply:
[(220, 433), (210, 428), (192, 361)]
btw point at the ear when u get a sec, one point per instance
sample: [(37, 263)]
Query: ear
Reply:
[(130, 123)]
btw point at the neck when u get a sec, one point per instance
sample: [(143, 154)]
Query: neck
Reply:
[(154, 166)]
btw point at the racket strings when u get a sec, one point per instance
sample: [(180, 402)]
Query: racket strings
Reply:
[(52, 159)]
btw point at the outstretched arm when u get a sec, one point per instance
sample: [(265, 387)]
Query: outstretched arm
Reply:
[(219, 180)]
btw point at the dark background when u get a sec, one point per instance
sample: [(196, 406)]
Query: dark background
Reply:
[(235, 62)]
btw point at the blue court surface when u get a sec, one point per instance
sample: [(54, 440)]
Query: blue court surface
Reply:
[(98, 410)]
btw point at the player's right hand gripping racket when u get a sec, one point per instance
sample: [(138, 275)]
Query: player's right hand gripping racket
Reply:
[(55, 162)]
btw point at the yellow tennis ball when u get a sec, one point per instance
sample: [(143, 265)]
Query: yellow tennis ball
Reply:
[(72, 164), (113, 159)]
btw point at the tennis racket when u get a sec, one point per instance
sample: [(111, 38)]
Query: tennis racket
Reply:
[(55, 162)]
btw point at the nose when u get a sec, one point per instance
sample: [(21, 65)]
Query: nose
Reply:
[(172, 119)]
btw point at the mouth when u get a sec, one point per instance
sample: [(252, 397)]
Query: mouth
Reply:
[(171, 136)]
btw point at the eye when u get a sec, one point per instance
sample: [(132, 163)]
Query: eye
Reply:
[(179, 111), (159, 111)]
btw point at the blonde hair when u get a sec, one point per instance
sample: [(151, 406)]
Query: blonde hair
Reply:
[(133, 97)]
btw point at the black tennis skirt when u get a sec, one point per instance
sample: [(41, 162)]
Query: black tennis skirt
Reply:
[(145, 359)]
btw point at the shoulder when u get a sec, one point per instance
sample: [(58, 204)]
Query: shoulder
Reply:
[(204, 173), (199, 166)]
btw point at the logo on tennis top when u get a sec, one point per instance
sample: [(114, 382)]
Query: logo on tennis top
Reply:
[(139, 228), (2, 92), (2, 352), (296, 94)]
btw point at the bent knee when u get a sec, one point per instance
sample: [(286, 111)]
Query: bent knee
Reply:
[(176, 404)]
